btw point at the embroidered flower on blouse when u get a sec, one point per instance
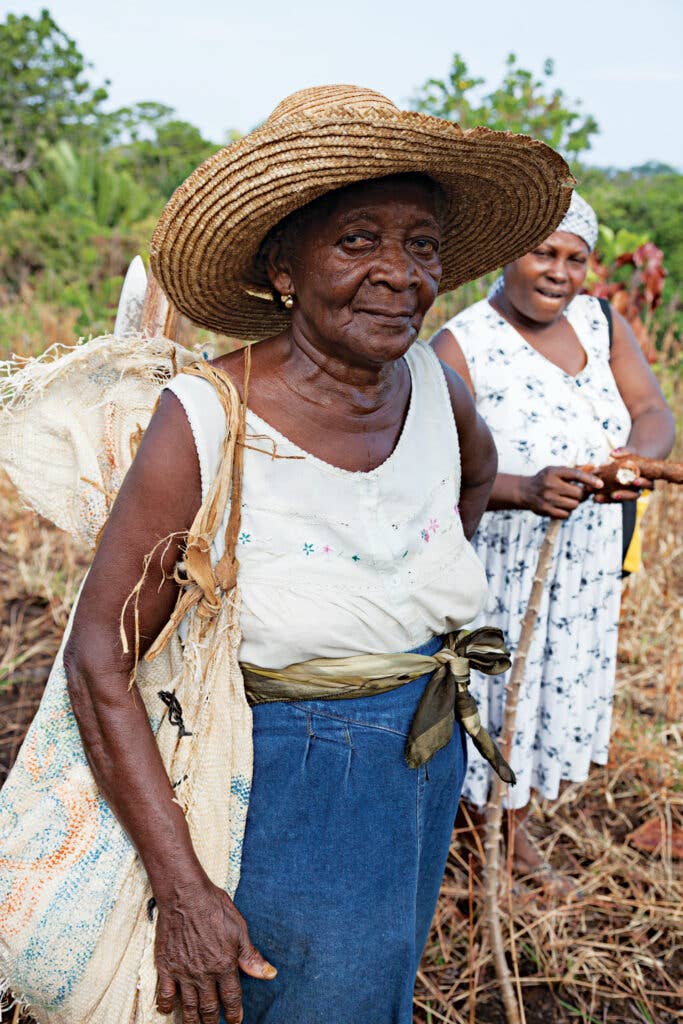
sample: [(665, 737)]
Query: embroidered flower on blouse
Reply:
[(309, 549), (244, 538), (433, 525), (327, 549), (425, 535), (355, 558)]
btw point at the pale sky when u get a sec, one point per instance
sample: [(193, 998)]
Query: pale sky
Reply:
[(226, 65)]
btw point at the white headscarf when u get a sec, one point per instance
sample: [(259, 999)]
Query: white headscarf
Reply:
[(579, 220)]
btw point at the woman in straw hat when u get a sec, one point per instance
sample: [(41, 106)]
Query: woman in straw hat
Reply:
[(561, 382), (324, 235)]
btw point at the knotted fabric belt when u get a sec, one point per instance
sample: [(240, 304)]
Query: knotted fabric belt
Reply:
[(446, 697)]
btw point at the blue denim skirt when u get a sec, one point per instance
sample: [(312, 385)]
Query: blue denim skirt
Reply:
[(344, 853)]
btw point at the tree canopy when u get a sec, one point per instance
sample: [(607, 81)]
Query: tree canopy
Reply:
[(82, 184), (44, 95), (521, 103)]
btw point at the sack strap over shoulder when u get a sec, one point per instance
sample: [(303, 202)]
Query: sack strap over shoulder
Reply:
[(607, 313), (206, 583)]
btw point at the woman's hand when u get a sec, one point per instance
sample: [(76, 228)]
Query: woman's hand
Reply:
[(556, 490), (201, 943), (623, 492)]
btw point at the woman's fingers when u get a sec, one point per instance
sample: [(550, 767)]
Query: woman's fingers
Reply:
[(252, 963), (560, 488), (625, 495), (553, 511), (209, 1004), (621, 494), (190, 1004), (571, 492), (581, 476), (567, 503), (166, 991), (203, 1004), (231, 997)]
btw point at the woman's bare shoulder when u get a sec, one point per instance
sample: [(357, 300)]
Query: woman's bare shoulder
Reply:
[(263, 357), (447, 348)]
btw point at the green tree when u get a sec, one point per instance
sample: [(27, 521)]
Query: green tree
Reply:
[(170, 151), (645, 201), (521, 103), (89, 182), (43, 92)]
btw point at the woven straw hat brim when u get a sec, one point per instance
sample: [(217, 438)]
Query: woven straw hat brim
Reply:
[(506, 193)]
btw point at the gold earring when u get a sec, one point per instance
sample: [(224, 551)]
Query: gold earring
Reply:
[(287, 301)]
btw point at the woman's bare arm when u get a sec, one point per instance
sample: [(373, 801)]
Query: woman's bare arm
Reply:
[(478, 456), (652, 425), (159, 498), (200, 935)]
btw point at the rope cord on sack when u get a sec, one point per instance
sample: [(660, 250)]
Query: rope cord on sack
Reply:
[(203, 583)]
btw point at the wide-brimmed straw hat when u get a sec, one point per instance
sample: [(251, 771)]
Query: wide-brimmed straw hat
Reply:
[(505, 193)]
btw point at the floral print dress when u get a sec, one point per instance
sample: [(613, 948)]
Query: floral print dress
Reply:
[(539, 416)]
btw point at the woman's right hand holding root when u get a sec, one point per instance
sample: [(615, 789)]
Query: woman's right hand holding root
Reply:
[(202, 942), (557, 490)]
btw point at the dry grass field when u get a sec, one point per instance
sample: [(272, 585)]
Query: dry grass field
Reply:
[(612, 956)]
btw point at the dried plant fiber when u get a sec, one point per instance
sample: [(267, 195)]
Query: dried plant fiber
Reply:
[(505, 193), (76, 939)]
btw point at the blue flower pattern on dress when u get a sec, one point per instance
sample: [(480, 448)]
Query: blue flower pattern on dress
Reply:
[(539, 416)]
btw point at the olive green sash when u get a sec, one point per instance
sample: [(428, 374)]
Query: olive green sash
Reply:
[(446, 697)]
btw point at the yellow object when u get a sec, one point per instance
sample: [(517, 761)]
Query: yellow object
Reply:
[(633, 562)]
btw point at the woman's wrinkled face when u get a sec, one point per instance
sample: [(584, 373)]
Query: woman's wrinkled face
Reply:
[(363, 266), (541, 284)]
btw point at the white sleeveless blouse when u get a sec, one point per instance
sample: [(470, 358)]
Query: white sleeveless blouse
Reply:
[(335, 563)]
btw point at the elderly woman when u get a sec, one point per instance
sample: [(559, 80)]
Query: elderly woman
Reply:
[(326, 236), (559, 387)]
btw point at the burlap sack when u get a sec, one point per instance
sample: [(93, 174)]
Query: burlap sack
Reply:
[(76, 931)]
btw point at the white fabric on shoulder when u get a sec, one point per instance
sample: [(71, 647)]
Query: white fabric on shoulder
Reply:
[(207, 421)]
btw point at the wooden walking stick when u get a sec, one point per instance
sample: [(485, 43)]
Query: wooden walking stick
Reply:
[(494, 812)]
